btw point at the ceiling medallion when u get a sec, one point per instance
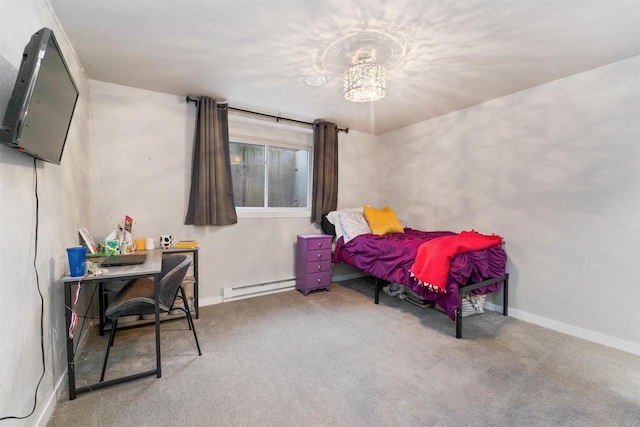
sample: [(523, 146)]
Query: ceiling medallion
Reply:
[(362, 58), (386, 49)]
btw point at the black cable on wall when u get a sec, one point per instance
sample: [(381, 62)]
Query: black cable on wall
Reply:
[(35, 268)]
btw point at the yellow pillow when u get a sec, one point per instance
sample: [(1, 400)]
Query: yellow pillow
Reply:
[(382, 221)]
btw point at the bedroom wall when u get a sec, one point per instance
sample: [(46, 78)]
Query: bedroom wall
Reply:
[(358, 176), (358, 182), (140, 165), (63, 198), (555, 170)]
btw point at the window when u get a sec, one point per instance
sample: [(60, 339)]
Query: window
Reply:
[(268, 177)]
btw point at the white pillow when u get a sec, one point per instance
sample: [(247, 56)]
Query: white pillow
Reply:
[(353, 224), (332, 217)]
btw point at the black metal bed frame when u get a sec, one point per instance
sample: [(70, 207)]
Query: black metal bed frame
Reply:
[(379, 283)]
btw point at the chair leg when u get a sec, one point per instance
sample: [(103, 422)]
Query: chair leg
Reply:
[(189, 319), (114, 326), (193, 327), (185, 303), (112, 336)]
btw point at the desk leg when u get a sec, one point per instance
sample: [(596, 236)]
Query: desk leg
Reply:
[(195, 285), (70, 356), (156, 296), (101, 308)]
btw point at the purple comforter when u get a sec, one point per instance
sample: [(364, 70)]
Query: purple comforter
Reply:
[(390, 256)]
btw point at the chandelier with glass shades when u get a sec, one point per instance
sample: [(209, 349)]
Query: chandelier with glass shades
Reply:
[(365, 81)]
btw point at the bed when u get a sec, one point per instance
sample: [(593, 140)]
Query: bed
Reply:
[(389, 257)]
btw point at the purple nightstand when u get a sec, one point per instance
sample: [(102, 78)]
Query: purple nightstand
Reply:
[(313, 262)]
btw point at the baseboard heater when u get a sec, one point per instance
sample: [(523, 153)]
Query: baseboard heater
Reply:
[(248, 291)]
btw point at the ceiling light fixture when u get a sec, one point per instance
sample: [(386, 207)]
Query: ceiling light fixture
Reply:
[(365, 81)]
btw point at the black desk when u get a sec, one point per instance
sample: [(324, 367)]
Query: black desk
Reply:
[(151, 268)]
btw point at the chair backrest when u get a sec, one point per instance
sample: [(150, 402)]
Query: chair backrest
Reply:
[(174, 270)]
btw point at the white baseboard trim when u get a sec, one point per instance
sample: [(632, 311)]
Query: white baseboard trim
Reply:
[(59, 387), (574, 331), (348, 277), (50, 405), (209, 301), (494, 307)]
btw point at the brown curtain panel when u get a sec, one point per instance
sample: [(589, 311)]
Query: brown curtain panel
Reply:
[(211, 196), (324, 193)]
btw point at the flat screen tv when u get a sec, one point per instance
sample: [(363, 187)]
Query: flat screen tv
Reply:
[(41, 106)]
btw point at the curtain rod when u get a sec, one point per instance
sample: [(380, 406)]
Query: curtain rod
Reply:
[(195, 100)]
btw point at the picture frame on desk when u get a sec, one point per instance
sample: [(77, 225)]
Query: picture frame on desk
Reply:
[(87, 240)]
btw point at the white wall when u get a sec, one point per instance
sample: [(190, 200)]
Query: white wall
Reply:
[(63, 207), (357, 171), (141, 149), (555, 170)]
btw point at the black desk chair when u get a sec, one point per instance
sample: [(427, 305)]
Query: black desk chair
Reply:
[(136, 298)]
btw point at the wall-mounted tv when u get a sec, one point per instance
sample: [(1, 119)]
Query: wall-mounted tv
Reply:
[(41, 106)]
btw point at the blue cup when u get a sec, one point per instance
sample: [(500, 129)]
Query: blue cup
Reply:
[(77, 256)]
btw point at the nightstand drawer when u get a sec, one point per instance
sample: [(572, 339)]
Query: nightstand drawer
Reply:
[(318, 266), (314, 243), (321, 255), (319, 244), (319, 280)]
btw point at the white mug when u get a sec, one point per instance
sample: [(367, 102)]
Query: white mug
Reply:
[(151, 244)]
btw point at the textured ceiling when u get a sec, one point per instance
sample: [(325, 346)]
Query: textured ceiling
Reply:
[(440, 56)]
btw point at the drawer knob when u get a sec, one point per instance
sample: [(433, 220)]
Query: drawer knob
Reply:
[(319, 256), (319, 244), (319, 267), (319, 281)]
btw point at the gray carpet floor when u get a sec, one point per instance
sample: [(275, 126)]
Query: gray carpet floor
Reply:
[(337, 359)]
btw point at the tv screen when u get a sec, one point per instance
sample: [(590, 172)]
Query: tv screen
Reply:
[(41, 106)]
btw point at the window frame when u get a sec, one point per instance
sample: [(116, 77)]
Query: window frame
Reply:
[(271, 212)]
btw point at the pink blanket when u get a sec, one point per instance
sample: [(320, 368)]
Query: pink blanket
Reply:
[(431, 266)]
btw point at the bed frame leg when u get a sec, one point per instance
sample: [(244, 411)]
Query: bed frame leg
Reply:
[(505, 295), (377, 294), (505, 302)]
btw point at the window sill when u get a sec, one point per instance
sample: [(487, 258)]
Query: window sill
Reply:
[(273, 213)]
